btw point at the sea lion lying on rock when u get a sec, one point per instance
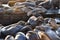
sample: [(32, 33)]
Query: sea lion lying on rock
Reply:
[(37, 11), (32, 36), (11, 30), (51, 34), (9, 37), (43, 36), (50, 4), (20, 36)]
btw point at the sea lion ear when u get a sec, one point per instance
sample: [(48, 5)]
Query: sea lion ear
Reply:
[(9, 37)]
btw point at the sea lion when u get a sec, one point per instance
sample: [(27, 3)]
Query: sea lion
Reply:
[(31, 35), (20, 36), (9, 37)]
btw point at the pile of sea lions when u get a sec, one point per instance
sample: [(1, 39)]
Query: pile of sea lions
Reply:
[(30, 20)]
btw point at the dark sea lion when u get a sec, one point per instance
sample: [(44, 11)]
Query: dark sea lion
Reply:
[(32, 36), (20, 36)]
